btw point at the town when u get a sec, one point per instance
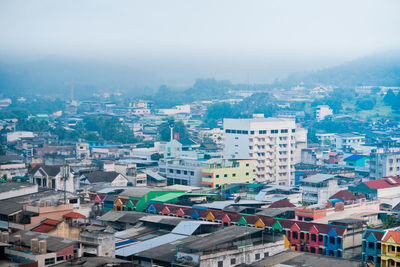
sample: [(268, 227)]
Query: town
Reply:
[(256, 190)]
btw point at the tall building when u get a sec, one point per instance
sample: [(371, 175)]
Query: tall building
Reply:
[(384, 163), (269, 141)]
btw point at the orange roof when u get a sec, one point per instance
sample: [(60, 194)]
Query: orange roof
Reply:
[(43, 228), (74, 215), (394, 234)]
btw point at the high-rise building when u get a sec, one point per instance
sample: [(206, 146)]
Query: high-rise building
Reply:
[(269, 141)]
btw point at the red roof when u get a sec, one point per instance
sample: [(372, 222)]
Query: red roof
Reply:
[(394, 234), (51, 222), (43, 228), (343, 195), (46, 226), (74, 215), (282, 203), (383, 183)]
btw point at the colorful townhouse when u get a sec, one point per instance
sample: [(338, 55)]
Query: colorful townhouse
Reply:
[(371, 246), (325, 239), (381, 248), (231, 172)]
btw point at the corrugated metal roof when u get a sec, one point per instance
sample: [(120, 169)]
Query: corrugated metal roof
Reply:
[(168, 197), (154, 175), (318, 178), (188, 227)]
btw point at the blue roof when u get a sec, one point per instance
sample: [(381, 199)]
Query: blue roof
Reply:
[(354, 157)]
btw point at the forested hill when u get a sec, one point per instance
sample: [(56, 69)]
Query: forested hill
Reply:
[(379, 69)]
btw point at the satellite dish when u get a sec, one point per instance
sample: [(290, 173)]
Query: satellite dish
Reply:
[(237, 199)]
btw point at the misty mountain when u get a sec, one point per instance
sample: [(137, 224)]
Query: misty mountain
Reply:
[(55, 77), (378, 69)]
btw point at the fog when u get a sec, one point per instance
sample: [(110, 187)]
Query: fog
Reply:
[(178, 41)]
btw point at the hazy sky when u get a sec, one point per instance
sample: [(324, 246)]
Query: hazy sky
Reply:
[(186, 39)]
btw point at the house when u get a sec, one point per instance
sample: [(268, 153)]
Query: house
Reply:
[(58, 177), (356, 160), (112, 177), (184, 147), (371, 246), (383, 189), (46, 250), (318, 188), (346, 196)]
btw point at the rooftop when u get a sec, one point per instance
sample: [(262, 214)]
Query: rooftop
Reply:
[(297, 258), (318, 178)]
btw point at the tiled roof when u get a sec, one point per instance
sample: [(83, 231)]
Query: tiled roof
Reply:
[(383, 183), (74, 215), (378, 234), (343, 195), (99, 176), (51, 222), (46, 226), (282, 203), (394, 234)]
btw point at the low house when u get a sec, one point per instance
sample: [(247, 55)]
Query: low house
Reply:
[(56, 177), (112, 177)]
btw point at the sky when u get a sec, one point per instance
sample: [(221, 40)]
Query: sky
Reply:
[(180, 40)]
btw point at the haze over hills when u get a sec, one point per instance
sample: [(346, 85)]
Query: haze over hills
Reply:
[(54, 77)]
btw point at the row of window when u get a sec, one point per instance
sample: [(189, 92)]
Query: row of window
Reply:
[(259, 132)]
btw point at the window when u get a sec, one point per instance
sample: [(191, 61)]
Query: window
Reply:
[(257, 256), (227, 131), (49, 261), (73, 201), (53, 183), (220, 264), (245, 132), (217, 176), (251, 132), (233, 261), (185, 172), (225, 175), (247, 174), (332, 240), (293, 130), (266, 254), (234, 175), (191, 173), (233, 131), (171, 171), (313, 237), (60, 258), (274, 131), (295, 235), (339, 241), (178, 171), (284, 131)]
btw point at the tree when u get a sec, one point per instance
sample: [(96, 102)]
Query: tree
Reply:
[(156, 156), (164, 130), (311, 136), (390, 98)]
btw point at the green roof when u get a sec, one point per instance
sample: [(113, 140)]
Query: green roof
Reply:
[(168, 197)]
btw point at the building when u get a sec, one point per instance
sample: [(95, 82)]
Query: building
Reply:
[(384, 163), (271, 142), (326, 138), (318, 188), (185, 148), (381, 248), (55, 177), (356, 160), (322, 111), (215, 134), (348, 142), (371, 246), (386, 190), (233, 171), (113, 178), (45, 250), (82, 150), (183, 171)]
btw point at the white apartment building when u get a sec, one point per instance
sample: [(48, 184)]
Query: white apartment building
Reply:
[(317, 189), (348, 142), (384, 163), (269, 141), (322, 111)]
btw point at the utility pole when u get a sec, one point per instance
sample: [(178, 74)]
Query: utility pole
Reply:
[(64, 176)]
